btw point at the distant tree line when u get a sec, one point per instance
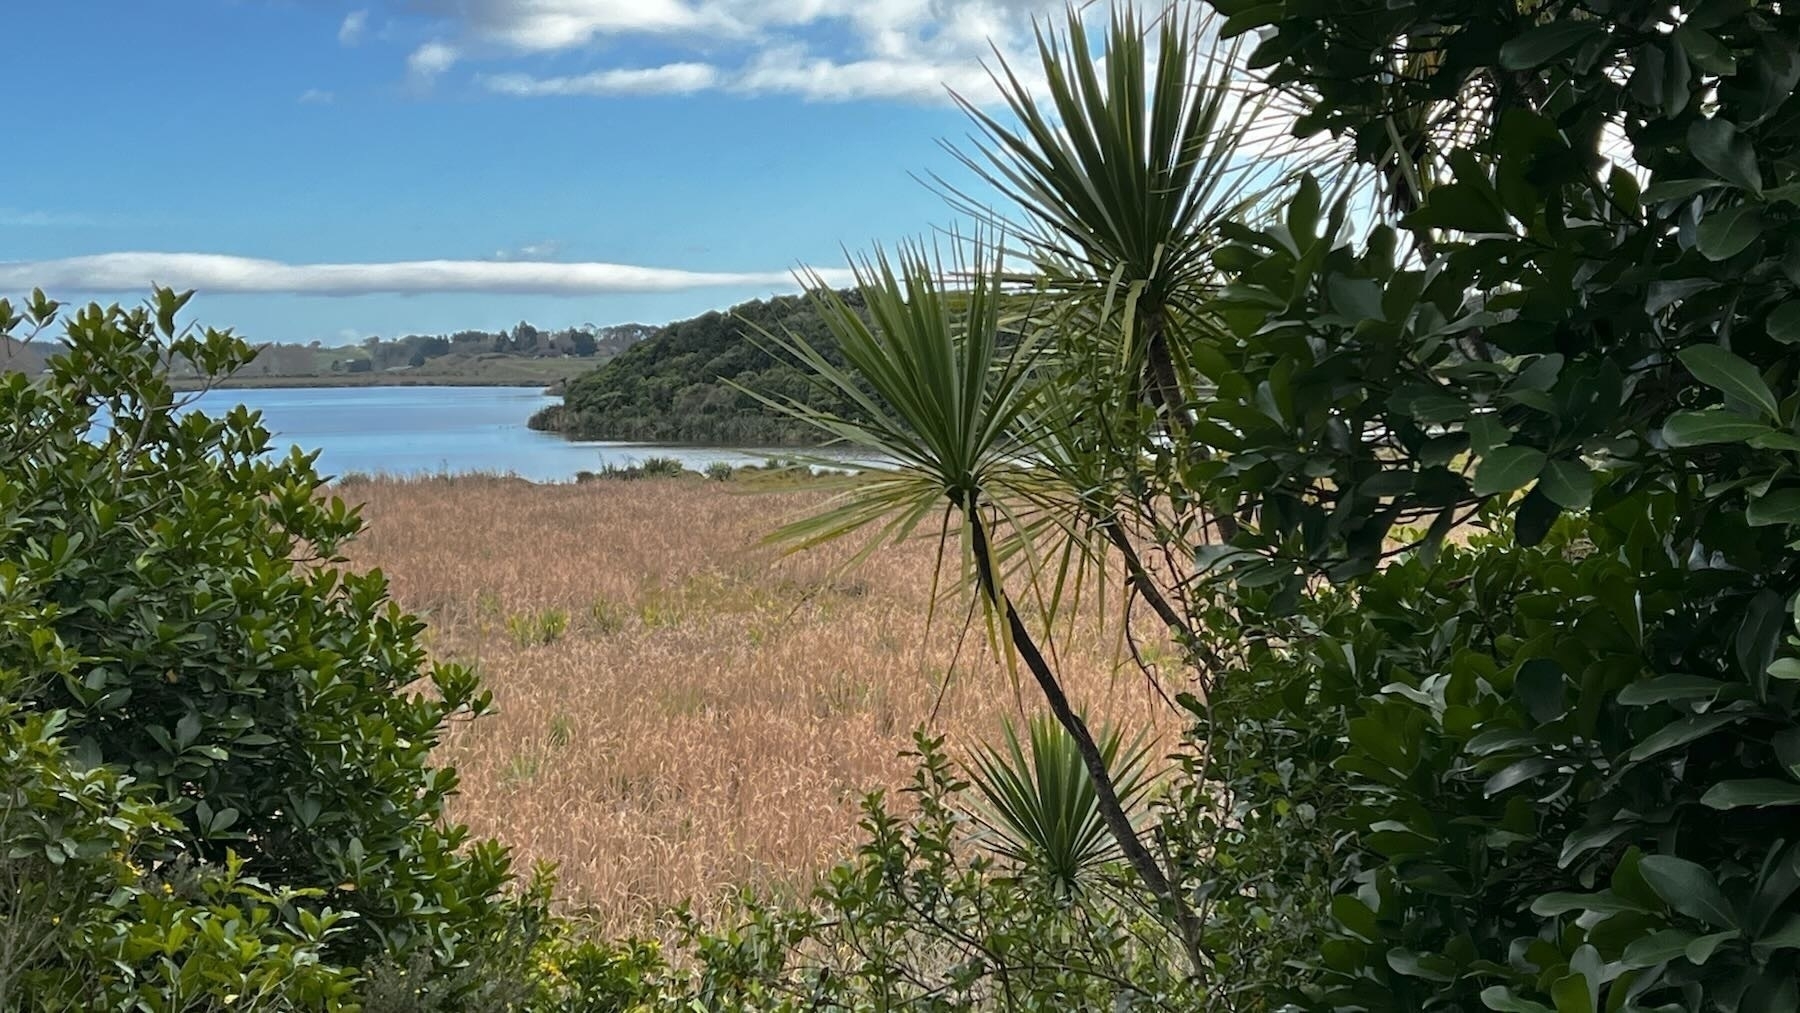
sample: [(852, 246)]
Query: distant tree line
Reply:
[(377, 354), (416, 349)]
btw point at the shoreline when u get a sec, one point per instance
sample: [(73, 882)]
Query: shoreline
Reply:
[(324, 382)]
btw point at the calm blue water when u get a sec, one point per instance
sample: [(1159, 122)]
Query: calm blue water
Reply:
[(427, 430)]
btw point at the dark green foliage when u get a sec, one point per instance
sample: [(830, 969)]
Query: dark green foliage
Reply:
[(1560, 761), (175, 608), (677, 385), (649, 467), (85, 925)]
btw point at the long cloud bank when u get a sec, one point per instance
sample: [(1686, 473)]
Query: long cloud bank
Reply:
[(211, 272)]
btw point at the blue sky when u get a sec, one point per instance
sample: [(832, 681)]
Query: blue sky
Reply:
[(538, 146)]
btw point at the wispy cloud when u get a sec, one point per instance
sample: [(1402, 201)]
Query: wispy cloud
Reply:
[(354, 28), (219, 273), (429, 61), (668, 79), (17, 218), (317, 97)]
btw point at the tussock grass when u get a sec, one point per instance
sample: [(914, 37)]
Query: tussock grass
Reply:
[(711, 711)]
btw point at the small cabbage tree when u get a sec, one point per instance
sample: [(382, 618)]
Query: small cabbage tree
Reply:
[(1042, 811)]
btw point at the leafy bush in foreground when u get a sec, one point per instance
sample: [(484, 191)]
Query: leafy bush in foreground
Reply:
[(225, 699)]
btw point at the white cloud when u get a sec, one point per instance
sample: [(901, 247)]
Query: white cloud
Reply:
[(355, 26), (823, 80), (219, 273), (430, 60), (317, 96), (545, 250), (877, 49), (539, 26), (668, 79)]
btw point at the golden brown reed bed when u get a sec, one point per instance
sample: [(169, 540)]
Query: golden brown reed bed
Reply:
[(715, 709)]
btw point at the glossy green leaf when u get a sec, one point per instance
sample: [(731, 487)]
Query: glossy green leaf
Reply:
[(1657, 948), (1355, 917), (1568, 483), (1787, 937), (1680, 732), (1701, 950), (1677, 189), (1572, 994), (1687, 888), (1507, 469), (1539, 45), (1670, 688), (1753, 793), (1720, 147), (1709, 426), (1726, 233), (1784, 322), (1778, 506), (1551, 905), (1501, 999), (1428, 966), (1726, 372)]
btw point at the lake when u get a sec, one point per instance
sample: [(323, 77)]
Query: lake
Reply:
[(430, 430)]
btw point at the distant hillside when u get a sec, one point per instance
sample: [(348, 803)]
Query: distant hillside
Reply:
[(19, 357), (671, 387)]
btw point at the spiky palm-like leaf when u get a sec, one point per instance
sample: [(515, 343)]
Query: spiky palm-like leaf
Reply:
[(1122, 176), (937, 390), (1042, 812)]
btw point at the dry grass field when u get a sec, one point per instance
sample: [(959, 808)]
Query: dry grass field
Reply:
[(683, 710)]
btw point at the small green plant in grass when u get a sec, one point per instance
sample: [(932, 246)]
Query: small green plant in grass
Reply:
[(560, 731), (719, 471), (521, 768), (487, 605), (536, 629), (605, 617), (659, 609)]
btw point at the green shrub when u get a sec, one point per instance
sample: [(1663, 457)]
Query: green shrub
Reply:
[(1562, 764), (661, 467), (90, 920), (649, 467), (179, 600)]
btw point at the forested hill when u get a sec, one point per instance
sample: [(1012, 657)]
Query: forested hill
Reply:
[(672, 386)]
